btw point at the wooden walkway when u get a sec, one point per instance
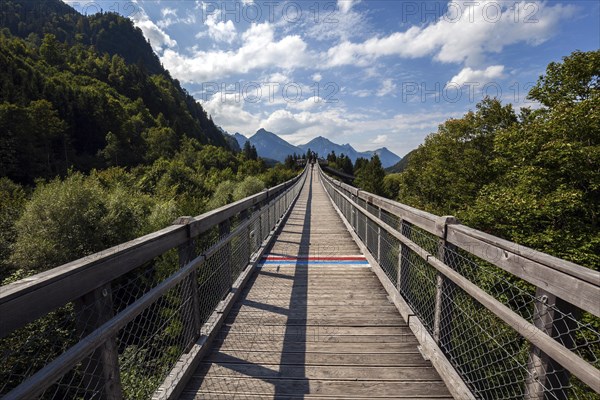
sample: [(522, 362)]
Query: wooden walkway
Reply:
[(315, 322)]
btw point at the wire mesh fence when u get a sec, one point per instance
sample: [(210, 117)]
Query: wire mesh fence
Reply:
[(141, 325), (490, 355)]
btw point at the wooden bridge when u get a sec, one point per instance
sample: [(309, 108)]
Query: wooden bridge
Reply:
[(311, 289)]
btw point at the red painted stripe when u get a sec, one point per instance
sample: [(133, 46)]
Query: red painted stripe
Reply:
[(279, 258)]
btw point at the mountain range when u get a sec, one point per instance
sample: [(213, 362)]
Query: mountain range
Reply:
[(270, 145)]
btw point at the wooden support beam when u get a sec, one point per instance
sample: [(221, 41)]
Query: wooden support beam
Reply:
[(101, 369), (546, 378)]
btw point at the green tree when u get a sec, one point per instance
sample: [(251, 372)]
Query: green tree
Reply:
[(249, 151), (61, 223), (444, 175), (249, 186), (68, 219), (12, 203), (160, 142), (547, 194), (359, 164), (51, 50), (370, 176), (391, 185)]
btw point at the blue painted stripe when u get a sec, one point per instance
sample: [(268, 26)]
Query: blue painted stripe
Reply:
[(304, 262)]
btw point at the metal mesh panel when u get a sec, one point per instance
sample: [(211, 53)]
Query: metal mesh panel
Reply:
[(494, 360), (141, 355), (390, 219), (390, 255), (150, 345), (27, 350), (360, 224)]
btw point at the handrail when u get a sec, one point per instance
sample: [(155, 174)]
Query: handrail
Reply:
[(90, 285), (573, 283), (552, 322), (43, 292)]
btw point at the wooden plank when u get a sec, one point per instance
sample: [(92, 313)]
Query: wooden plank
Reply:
[(277, 330), (314, 302), (317, 337), (340, 388), (269, 371), (308, 299), (333, 324), (407, 346), (181, 373), (316, 287), (307, 358), (450, 376), (278, 320), (304, 315), (220, 396), (387, 311)]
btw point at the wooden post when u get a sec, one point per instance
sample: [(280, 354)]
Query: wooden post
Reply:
[(366, 236), (379, 237), (186, 253), (102, 367), (403, 262), (442, 316), (243, 217), (224, 230), (546, 378), (353, 216), (260, 221), (268, 205)]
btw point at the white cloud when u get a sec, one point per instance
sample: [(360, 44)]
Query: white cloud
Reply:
[(168, 11), (346, 5), (170, 17), (387, 86), (307, 104), (380, 139), (259, 50), (467, 38), (277, 77), (230, 114), (317, 77), (340, 25), (480, 76), (158, 38), (221, 31)]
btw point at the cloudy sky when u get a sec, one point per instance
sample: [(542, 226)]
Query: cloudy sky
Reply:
[(367, 72)]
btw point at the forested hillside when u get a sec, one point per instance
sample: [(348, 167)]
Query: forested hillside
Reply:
[(86, 92), (98, 143), (531, 177)]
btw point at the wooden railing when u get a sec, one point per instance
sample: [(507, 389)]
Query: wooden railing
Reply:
[(79, 330), (500, 320)]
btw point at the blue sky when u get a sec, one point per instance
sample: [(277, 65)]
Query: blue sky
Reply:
[(371, 73)]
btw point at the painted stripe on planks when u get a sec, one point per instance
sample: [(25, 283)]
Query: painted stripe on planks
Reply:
[(301, 262), (315, 258)]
